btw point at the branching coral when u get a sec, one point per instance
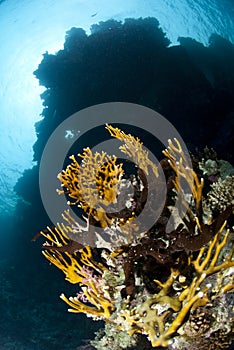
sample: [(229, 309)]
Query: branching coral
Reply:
[(154, 281), (88, 185), (71, 258), (79, 266), (151, 315), (133, 147), (178, 162), (93, 292)]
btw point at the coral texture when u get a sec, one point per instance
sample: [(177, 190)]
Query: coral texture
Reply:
[(221, 194)]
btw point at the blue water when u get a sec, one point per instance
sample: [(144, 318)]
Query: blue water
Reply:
[(32, 27)]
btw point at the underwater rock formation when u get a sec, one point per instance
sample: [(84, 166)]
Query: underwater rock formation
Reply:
[(176, 288), (190, 84)]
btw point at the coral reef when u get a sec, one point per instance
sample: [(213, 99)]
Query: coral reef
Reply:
[(173, 287), (221, 194)]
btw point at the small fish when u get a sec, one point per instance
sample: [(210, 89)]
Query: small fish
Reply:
[(94, 14)]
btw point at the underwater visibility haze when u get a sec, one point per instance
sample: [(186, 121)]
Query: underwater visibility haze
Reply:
[(157, 287)]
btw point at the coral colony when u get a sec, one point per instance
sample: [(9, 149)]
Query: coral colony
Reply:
[(174, 289)]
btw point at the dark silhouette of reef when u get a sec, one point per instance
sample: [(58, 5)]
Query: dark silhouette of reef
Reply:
[(190, 84)]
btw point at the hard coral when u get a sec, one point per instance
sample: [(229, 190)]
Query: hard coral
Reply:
[(221, 194), (153, 282)]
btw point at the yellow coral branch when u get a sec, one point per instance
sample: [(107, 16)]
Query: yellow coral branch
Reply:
[(102, 305), (179, 163), (93, 183), (133, 147), (70, 266), (66, 261), (78, 307), (165, 338), (58, 238), (165, 287), (87, 259), (211, 256)]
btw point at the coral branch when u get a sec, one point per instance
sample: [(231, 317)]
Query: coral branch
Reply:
[(133, 147)]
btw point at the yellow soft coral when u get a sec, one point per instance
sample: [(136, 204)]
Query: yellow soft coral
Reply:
[(93, 183), (78, 267), (133, 147), (179, 163), (102, 305), (57, 249)]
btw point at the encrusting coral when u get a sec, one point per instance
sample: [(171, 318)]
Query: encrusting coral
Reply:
[(153, 282)]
